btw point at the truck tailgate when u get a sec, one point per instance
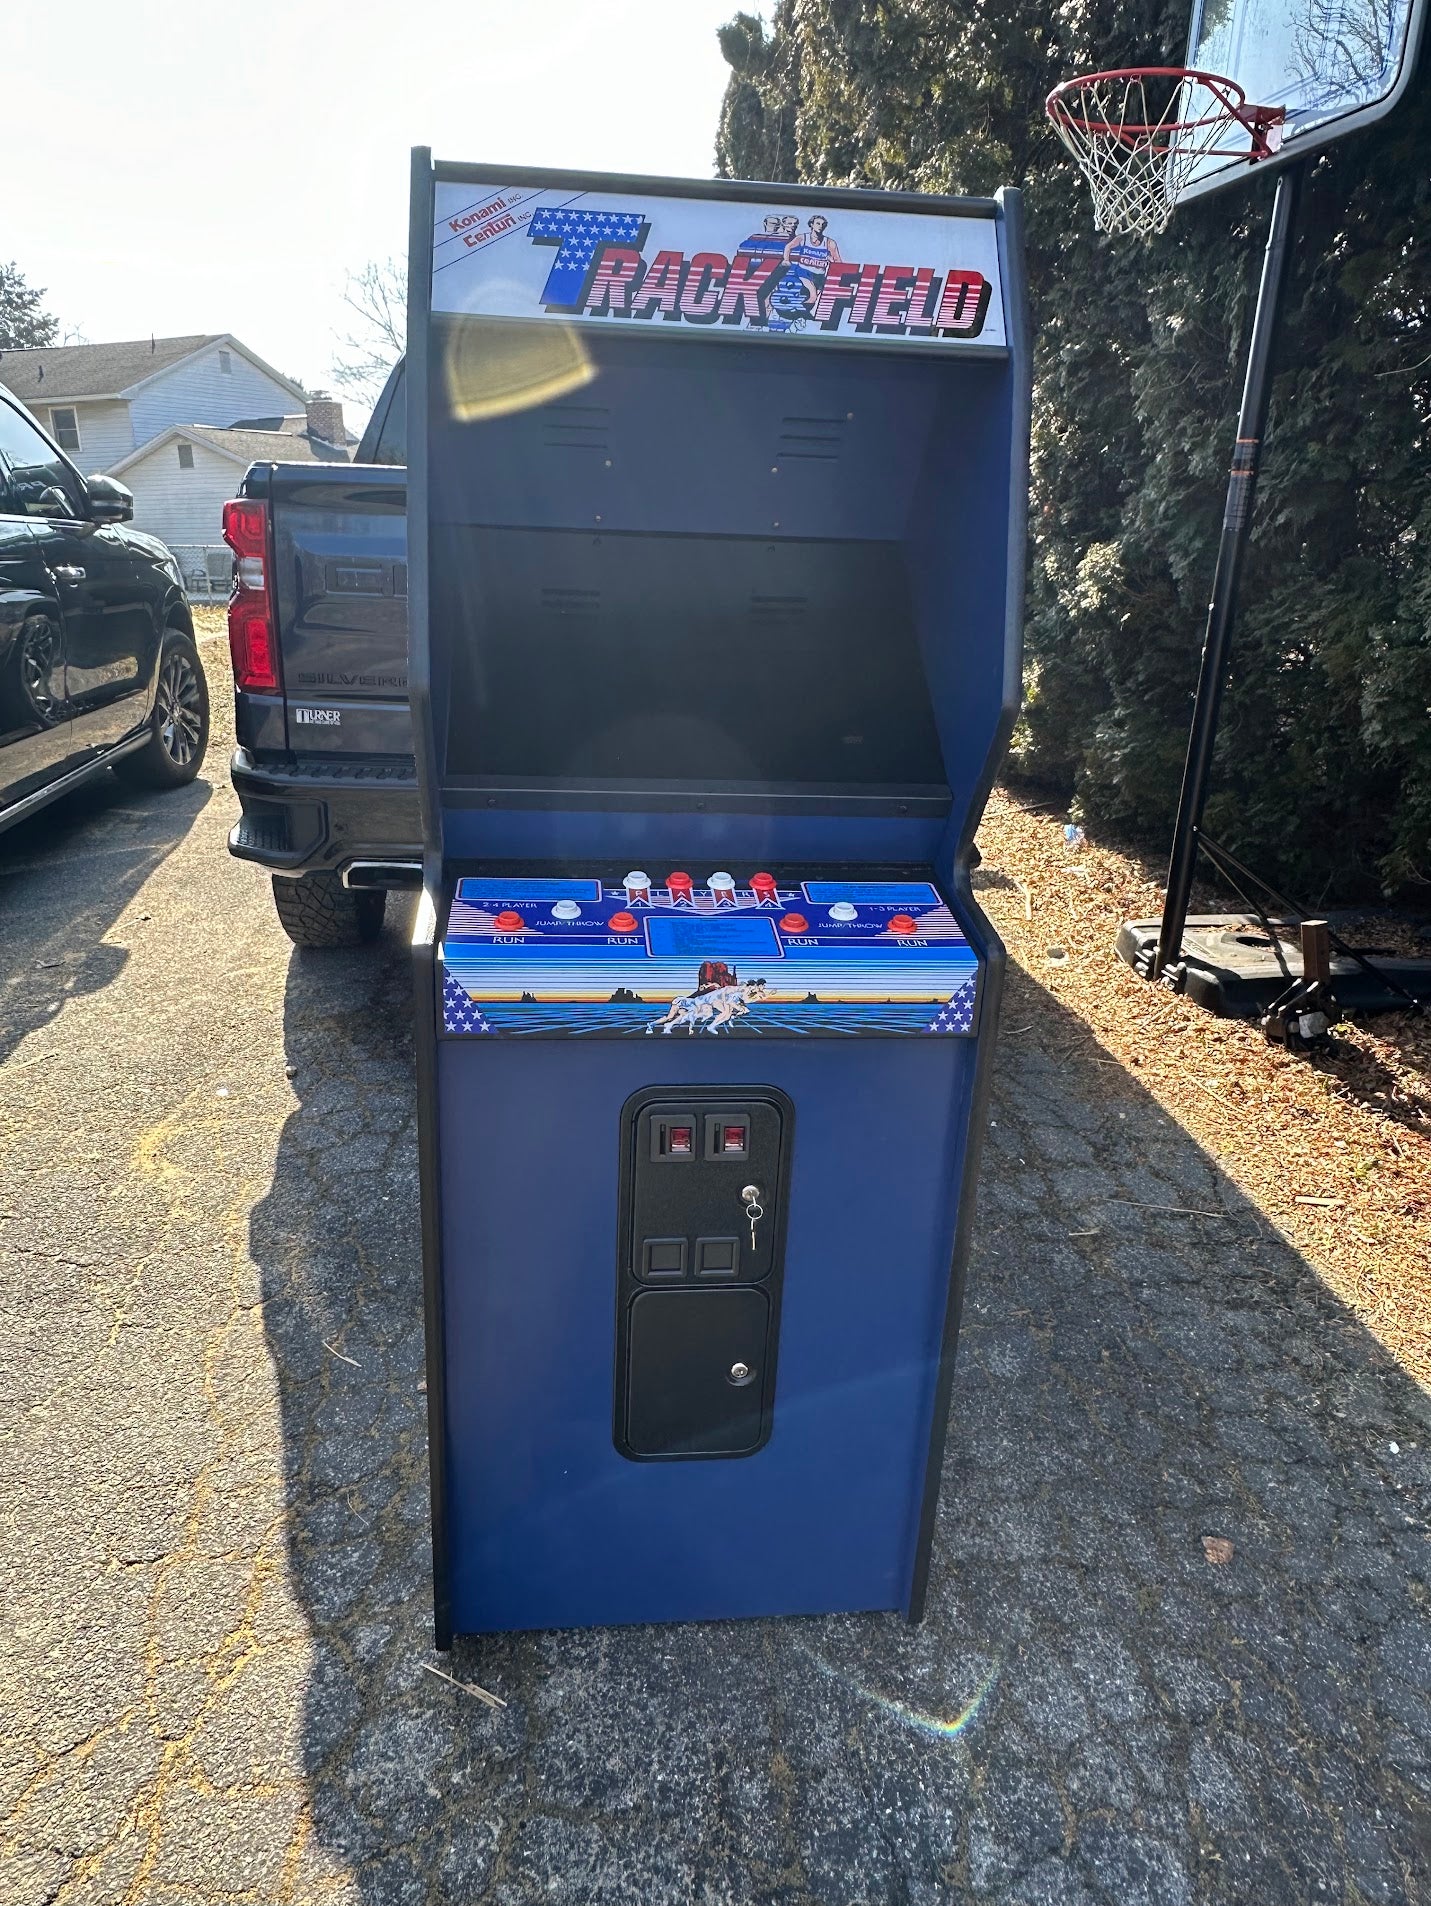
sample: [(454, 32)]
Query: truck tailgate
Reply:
[(340, 582)]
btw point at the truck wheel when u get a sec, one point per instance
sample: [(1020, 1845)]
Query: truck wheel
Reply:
[(318, 910), (179, 725)]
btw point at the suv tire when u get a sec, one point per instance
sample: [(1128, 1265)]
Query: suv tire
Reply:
[(317, 910), (179, 724)]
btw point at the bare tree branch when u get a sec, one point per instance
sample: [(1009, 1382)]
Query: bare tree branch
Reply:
[(377, 295)]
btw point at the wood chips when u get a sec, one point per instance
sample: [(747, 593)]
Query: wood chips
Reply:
[(1336, 1150)]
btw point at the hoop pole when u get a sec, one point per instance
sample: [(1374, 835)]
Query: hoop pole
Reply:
[(1222, 610)]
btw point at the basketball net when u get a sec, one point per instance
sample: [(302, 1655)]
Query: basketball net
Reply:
[(1140, 136)]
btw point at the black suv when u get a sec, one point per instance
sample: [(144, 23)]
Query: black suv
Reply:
[(98, 667)]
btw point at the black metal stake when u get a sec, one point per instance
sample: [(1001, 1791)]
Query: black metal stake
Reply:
[(1222, 610)]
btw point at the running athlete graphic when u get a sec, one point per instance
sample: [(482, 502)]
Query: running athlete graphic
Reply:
[(815, 253), (765, 244), (807, 259), (789, 301), (710, 1012)]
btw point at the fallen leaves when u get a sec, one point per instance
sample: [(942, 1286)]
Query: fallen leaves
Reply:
[(1218, 1550)]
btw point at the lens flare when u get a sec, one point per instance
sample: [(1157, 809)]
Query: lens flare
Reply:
[(937, 1726), (495, 368)]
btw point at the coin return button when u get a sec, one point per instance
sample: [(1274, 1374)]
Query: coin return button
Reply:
[(716, 1257), (663, 1257)]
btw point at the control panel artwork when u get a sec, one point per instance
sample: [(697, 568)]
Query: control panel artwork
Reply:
[(656, 958)]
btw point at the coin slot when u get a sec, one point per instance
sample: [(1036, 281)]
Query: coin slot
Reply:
[(727, 1135), (673, 1137)]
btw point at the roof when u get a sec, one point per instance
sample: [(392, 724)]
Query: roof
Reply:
[(294, 426), (107, 370), (92, 370), (280, 446), (243, 446)]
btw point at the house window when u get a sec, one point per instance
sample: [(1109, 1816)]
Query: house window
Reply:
[(226, 363), (186, 456), (64, 425)]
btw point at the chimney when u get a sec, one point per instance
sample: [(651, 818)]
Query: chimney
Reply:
[(325, 421)]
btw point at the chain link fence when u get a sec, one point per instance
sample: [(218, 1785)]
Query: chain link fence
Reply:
[(206, 568)]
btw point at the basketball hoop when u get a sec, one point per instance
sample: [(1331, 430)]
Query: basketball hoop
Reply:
[(1141, 133)]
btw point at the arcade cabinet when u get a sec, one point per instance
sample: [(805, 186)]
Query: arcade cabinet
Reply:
[(716, 530)]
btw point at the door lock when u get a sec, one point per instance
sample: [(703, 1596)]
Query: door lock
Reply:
[(754, 1209)]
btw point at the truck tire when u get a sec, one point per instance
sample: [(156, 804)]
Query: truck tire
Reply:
[(179, 725), (317, 910)]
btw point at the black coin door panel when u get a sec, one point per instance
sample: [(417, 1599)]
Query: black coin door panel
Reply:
[(704, 1183)]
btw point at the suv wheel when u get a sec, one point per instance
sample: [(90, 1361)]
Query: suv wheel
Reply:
[(318, 910), (38, 660), (179, 725)]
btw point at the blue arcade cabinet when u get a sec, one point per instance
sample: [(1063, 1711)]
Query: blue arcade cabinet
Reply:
[(716, 526)]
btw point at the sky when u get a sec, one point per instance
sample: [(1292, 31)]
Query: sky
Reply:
[(222, 167)]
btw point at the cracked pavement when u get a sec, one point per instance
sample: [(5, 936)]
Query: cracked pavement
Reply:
[(213, 1496)]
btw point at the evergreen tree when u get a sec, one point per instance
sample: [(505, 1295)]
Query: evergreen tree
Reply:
[(24, 322), (1323, 769)]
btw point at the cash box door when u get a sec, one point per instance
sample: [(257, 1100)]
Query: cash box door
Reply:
[(684, 1345)]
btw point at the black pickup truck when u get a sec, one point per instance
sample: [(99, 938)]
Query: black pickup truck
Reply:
[(318, 630)]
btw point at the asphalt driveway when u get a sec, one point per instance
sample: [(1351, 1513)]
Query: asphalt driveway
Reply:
[(213, 1496)]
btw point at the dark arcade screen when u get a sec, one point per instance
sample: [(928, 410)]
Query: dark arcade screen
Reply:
[(683, 562), (613, 657)]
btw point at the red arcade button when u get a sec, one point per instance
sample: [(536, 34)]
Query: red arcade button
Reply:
[(904, 923), (509, 922), (794, 923), (622, 922), (679, 886), (763, 886)]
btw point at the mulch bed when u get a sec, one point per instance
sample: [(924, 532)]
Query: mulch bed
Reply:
[(1335, 1149)]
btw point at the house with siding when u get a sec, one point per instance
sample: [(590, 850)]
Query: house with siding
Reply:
[(177, 419), (185, 476)]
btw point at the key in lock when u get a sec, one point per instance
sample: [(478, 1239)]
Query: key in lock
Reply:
[(754, 1209)]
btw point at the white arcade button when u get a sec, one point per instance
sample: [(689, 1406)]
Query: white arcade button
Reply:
[(638, 888), (722, 888), (566, 910), (844, 910)]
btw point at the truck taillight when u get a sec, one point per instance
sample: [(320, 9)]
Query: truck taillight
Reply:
[(251, 637)]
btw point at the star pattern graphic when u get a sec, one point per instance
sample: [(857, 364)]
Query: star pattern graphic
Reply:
[(460, 1012), (577, 234), (957, 1012)]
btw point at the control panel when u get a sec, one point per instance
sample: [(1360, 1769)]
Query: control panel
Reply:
[(699, 1268), (730, 956)]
